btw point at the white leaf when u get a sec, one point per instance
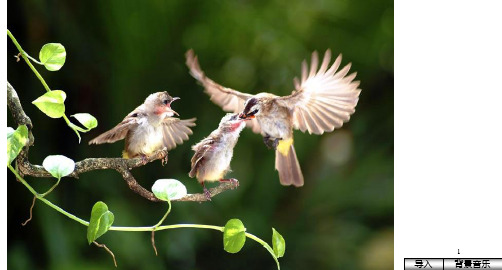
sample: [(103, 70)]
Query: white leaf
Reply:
[(58, 165), (169, 189)]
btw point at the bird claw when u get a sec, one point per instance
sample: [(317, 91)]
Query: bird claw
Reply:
[(162, 155), (275, 143), (165, 158), (271, 143)]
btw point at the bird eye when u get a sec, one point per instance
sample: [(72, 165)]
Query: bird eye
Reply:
[(165, 101), (254, 112)]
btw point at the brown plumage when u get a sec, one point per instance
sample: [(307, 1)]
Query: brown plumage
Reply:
[(323, 100), (149, 128), (211, 160)]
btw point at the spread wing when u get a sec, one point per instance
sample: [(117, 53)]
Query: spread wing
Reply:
[(324, 99), (228, 99), (198, 158), (119, 132), (175, 131)]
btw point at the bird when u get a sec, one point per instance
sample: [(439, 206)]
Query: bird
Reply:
[(211, 160), (323, 99), (149, 128)]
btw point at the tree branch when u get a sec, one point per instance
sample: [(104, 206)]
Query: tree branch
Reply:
[(201, 197), (121, 165)]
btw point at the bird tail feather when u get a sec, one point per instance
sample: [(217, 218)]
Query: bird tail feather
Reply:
[(286, 163)]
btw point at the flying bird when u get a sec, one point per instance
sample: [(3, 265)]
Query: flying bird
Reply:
[(211, 160), (324, 98), (149, 128)]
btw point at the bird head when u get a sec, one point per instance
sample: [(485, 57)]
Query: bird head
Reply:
[(232, 122), (160, 104), (252, 108)]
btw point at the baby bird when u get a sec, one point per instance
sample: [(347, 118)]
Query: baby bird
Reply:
[(149, 128), (213, 154)]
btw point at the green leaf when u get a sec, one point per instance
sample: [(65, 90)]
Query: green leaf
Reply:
[(52, 103), (278, 243), (100, 222), (169, 189), (16, 140), (53, 56), (234, 236), (58, 165), (87, 120)]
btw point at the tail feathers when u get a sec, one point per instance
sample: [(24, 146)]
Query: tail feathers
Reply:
[(288, 167)]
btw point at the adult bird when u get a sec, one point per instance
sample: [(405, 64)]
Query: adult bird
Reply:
[(323, 100)]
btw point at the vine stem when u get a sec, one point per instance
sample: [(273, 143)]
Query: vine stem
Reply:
[(164, 217), (34, 60), (49, 203), (51, 189), (156, 227), (266, 246), (25, 57), (113, 228)]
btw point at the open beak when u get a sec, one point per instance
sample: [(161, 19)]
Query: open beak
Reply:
[(175, 112), (173, 100)]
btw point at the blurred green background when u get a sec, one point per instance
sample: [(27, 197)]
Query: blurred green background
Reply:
[(118, 52)]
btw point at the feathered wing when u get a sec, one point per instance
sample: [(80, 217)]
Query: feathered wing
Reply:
[(228, 99), (324, 98), (175, 131), (119, 132), (198, 158)]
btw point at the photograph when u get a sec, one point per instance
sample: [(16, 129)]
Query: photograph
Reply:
[(188, 134)]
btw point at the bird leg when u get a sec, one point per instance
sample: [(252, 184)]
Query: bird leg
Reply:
[(233, 181), (206, 192), (271, 143)]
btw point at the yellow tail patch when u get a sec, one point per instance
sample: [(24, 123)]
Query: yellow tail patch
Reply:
[(125, 155), (284, 146)]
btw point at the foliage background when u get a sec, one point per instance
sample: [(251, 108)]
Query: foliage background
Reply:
[(118, 52)]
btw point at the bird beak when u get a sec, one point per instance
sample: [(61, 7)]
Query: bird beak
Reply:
[(169, 106), (246, 117)]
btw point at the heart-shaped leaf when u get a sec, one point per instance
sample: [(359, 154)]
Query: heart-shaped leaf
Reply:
[(278, 243), (169, 189), (87, 120), (51, 103), (58, 165), (234, 236), (16, 140), (53, 56), (101, 220)]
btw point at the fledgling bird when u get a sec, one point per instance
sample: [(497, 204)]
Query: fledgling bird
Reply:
[(149, 128), (213, 154), (323, 100)]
